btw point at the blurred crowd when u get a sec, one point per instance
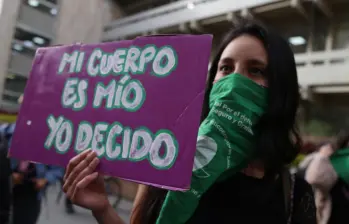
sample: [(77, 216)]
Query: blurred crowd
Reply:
[(23, 184)]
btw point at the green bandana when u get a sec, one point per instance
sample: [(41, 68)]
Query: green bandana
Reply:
[(225, 143), (340, 163)]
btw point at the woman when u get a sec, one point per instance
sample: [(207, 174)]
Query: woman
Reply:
[(255, 195), (328, 173), (322, 176)]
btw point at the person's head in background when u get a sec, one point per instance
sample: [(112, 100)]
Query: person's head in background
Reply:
[(328, 148), (343, 139), (267, 59), (308, 147)]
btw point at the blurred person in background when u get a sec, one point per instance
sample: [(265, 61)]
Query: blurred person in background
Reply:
[(328, 173), (340, 191), (5, 182), (69, 207), (30, 181)]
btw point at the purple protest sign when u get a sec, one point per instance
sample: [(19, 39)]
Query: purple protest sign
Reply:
[(136, 103)]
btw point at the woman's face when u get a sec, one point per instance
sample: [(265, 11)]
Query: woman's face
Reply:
[(245, 55)]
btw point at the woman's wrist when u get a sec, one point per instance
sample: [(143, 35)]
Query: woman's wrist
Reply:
[(107, 216), (102, 211)]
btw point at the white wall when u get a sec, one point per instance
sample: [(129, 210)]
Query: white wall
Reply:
[(36, 20), (20, 64), (79, 21), (8, 18)]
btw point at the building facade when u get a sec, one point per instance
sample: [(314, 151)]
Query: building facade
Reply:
[(318, 31), (26, 25)]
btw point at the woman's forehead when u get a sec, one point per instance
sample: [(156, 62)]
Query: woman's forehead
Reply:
[(245, 47)]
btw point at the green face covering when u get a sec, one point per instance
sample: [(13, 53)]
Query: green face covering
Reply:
[(340, 163), (225, 143)]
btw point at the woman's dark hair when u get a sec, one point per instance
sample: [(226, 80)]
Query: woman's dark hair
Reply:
[(278, 142)]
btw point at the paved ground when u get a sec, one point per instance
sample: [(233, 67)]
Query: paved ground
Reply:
[(53, 213)]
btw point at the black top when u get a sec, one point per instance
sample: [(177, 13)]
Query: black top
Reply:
[(5, 185), (248, 200), (27, 187), (340, 203)]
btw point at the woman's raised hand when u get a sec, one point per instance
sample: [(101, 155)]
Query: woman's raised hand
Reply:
[(83, 185)]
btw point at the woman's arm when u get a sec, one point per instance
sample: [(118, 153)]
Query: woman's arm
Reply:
[(109, 216), (141, 191)]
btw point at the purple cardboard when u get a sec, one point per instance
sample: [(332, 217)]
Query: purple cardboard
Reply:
[(51, 118)]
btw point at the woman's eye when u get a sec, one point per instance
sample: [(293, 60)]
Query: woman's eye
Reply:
[(256, 72), (226, 69)]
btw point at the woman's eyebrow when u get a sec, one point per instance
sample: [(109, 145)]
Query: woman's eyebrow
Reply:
[(226, 60), (257, 62)]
